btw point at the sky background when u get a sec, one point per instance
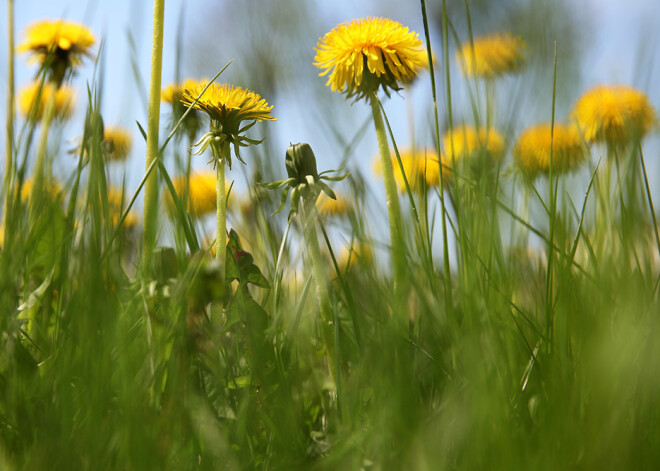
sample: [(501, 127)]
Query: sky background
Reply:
[(617, 41)]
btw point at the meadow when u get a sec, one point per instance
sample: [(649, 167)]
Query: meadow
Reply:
[(503, 316)]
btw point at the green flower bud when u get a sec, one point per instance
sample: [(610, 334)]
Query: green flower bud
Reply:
[(301, 162)]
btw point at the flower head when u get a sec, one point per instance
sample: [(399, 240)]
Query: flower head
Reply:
[(491, 55), (228, 106), (614, 114), (59, 44), (116, 207), (333, 207), (201, 192), (33, 98), (362, 55), (52, 189), (421, 167), (465, 142), (532, 151), (116, 143), (359, 254)]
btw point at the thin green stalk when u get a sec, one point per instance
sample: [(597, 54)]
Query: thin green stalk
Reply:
[(312, 242), (41, 164), (445, 49), (9, 139), (151, 185), (649, 199), (221, 154), (553, 209), (398, 247)]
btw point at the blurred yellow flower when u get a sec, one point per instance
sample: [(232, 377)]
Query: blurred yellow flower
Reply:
[(465, 142), (329, 207), (201, 192), (420, 165), (64, 100), (117, 207), (614, 114), (174, 91), (532, 151), (360, 253), (62, 42), (116, 143), (492, 55), (361, 55), (52, 189)]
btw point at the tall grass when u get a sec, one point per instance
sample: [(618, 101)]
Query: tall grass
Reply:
[(533, 352)]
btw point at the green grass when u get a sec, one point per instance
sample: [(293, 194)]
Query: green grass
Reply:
[(532, 355)]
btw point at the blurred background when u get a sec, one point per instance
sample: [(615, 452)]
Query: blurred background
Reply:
[(272, 45)]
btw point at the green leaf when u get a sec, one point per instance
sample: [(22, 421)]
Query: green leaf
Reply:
[(240, 264)]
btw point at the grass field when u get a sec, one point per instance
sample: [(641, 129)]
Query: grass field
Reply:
[(506, 318)]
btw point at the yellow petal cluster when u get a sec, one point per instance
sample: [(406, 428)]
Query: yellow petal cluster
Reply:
[(52, 189), (360, 253), (117, 207), (614, 114), (228, 105), (117, 143), (465, 142), (64, 41), (532, 151), (201, 190), (328, 207), (173, 92), (491, 55), (64, 100), (420, 165), (363, 54)]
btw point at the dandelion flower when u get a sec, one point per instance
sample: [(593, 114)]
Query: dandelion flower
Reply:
[(59, 43), (172, 94), (361, 55), (532, 151), (116, 207), (228, 106), (333, 207), (360, 253), (52, 189), (116, 143), (465, 142), (491, 55), (421, 167), (201, 192), (614, 114), (64, 100)]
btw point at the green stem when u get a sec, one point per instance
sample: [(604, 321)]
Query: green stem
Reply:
[(398, 247), (221, 154), (9, 139), (41, 166), (327, 319), (151, 185)]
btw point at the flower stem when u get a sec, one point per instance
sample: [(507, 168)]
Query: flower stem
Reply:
[(221, 155), (9, 139), (311, 238), (151, 185), (398, 247), (41, 166)]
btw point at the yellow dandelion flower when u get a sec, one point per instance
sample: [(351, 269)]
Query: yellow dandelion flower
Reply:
[(465, 142), (329, 207), (361, 55), (360, 253), (173, 92), (229, 105), (62, 42), (53, 189), (64, 100), (201, 192), (614, 114), (532, 151), (116, 143), (117, 207), (420, 165), (492, 55)]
